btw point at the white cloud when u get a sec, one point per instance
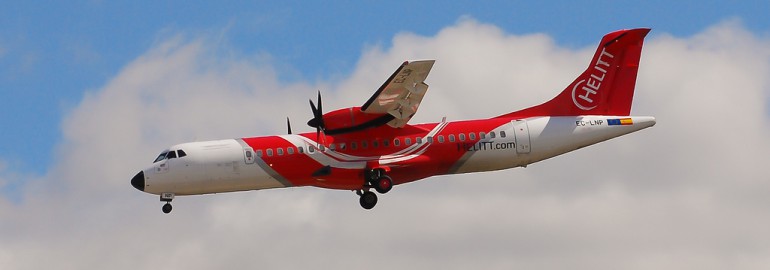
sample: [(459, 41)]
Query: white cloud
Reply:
[(690, 193)]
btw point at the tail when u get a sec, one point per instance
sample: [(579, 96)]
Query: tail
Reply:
[(607, 85)]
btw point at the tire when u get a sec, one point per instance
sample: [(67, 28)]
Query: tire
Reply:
[(384, 184), (368, 200), (167, 208)]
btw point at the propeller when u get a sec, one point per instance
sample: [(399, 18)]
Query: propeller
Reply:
[(288, 125), (318, 121)]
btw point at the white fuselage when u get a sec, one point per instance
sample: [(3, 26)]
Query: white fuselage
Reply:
[(232, 165)]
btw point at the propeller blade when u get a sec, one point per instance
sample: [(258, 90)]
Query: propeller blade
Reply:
[(320, 110), (317, 121), (312, 107)]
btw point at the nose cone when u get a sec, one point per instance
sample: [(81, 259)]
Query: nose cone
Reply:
[(138, 181)]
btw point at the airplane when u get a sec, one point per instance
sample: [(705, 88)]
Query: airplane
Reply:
[(372, 147)]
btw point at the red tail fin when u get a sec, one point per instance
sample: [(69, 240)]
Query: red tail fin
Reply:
[(606, 87)]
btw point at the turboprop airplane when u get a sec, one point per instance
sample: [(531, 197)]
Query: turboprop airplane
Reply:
[(373, 147)]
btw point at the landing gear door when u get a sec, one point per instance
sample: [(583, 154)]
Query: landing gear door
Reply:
[(248, 155), (521, 132)]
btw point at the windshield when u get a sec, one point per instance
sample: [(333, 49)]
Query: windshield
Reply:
[(162, 156)]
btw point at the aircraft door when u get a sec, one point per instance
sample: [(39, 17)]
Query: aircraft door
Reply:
[(521, 132), (248, 155)]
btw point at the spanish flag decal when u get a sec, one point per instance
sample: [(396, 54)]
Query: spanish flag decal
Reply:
[(620, 122)]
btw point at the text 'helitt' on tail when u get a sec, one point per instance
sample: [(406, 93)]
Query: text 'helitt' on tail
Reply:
[(606, 87)]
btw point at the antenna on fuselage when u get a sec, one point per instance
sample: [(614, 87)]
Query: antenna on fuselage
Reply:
[(288, 125)]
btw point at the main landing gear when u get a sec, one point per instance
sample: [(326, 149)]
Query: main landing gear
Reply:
[(375, 178), (368, 199), (167, 197)]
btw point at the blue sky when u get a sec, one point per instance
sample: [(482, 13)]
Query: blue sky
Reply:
[(53, 52)]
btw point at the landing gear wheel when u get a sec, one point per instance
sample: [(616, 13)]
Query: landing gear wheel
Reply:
[(383, 185), (368, 200), (167, 208)]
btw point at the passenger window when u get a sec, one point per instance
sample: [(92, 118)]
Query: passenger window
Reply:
[(430, 139), (419, 140), (482, 135), (451, 137), (270, 152), (441, 138), (502, 134), (259, 153), (311, 149), (353, 145), (492, 134), (290, 150), (171, 154), (462, 137), (472, 135), (181, 153), (375, 144), (342, 146), (364, 144), (396, 142), (385, 143), (280, 151), (300, 150), (321, 148), (408, 141), (332, 147)]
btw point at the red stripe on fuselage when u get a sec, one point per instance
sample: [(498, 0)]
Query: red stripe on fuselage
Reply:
[(435, 159)]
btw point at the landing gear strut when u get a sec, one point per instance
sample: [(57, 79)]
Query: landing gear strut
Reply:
[(377, 179), (374, 178), (167, 197)]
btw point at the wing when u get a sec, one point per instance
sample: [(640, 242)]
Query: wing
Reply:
[(401, 94)]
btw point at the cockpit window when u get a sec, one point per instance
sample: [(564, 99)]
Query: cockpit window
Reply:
[(162, 156), (170, 154)]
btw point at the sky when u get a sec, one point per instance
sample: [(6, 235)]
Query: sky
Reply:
[(94, 90)]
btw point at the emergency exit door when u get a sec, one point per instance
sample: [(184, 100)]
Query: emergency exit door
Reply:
[(248, 155)]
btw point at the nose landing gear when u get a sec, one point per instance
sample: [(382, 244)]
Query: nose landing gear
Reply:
[(167, 197)]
